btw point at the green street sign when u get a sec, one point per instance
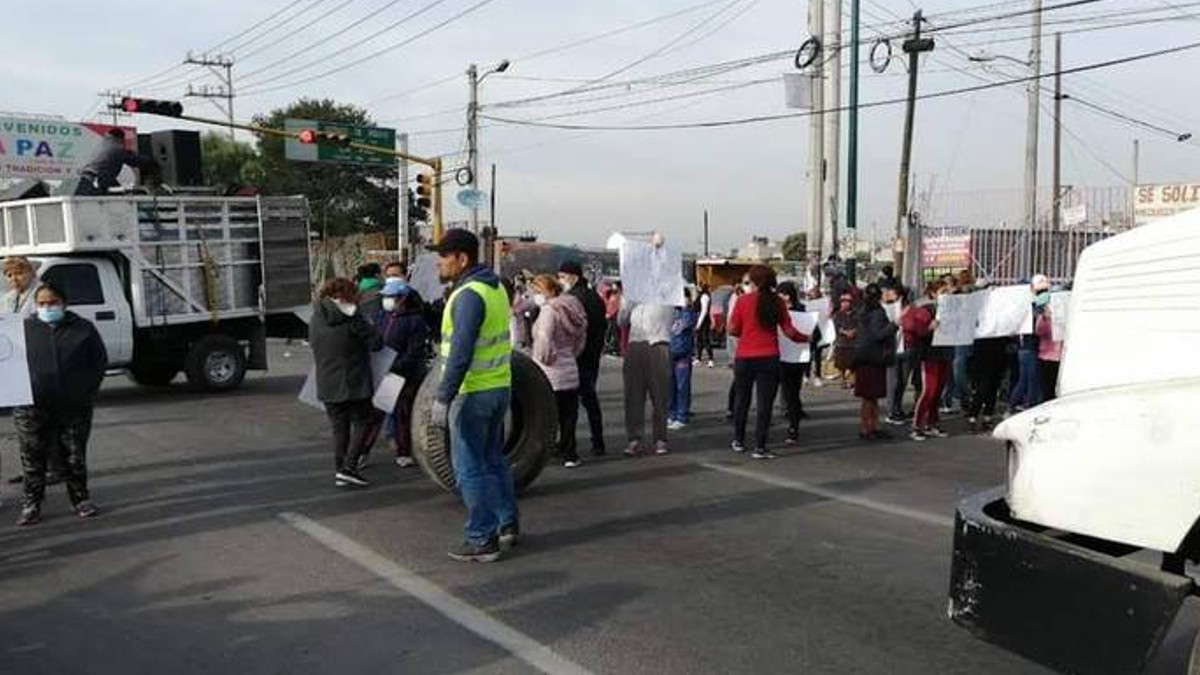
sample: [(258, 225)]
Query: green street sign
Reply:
[(323, 152)]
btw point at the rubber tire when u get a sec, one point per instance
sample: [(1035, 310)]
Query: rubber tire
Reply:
[(1194, 657), (205, 347), (529, 442), (153, 374)]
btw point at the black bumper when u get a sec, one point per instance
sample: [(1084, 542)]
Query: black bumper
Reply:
[(1066, 602)]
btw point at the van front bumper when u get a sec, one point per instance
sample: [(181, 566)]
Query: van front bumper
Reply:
[(1068, 602)]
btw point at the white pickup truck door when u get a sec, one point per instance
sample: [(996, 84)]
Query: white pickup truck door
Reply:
[(94, 292)]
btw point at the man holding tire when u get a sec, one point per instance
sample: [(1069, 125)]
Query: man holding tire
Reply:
[(474, 395)]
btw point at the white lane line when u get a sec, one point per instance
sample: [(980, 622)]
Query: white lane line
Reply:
[(466, 615), (835, 495)]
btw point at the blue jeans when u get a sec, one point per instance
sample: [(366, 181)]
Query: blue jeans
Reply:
[(1028, 390), (681, 393), (959, 386), (484, 478)]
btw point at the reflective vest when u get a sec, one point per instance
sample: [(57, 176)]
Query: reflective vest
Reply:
[(491, 361)]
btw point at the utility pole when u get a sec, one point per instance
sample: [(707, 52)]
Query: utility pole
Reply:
[(216, 65), (705, 233), (816, 136), (1057, 216), (1133, 189), (852, 140), (1034, 90), (402, 196), (833, 119), (913, 46), (473, 136)]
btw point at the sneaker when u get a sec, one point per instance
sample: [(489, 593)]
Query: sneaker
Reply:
[(945, 410), (633, 449), (30, 515), (934, 432), (572, 464), (481, 553), (86, 509), (695, 362), (793, 437), (676, 425), (509, 535), (895, 420), (711, 364), (660, 448), (763, 453), (737, 446), (405, 462), (348, 477), (917, 435), (818, 383)]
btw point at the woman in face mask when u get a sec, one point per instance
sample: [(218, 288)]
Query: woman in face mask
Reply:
[(404, 330), (342, 339), (559, 336), (67, 360)]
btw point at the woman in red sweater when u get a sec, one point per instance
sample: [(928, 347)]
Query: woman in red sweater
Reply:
[(919, 323), (757, 319)]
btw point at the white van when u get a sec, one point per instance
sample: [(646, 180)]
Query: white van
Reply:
[(1078, 562)]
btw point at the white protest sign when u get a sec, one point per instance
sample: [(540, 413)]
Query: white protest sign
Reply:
[(893, 314), (828, 332), (388, 392), (1007, 311), (15, 388), (381, 365), (798, 352), (423, 277), (1059, 304), (651, 275), (956, 317)]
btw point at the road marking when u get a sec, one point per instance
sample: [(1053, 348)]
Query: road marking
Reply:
[(835, 495), (462, 613)]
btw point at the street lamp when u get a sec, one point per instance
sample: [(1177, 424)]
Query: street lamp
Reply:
[(473, 80)]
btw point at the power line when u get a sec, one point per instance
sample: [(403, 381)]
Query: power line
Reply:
[(469, 10), (874, 104), (1012, 15), (1181, 137), (324, 15)]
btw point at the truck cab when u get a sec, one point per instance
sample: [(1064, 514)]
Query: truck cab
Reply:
[(97, 294), (1079, 561)]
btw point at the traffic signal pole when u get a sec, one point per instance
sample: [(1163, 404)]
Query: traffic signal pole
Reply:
[(434, 163)]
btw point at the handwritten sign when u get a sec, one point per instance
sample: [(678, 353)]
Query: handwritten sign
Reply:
[(1007, 311), (1059, 304), (15, 388), (957, 316), (798, 352), (650, 274)]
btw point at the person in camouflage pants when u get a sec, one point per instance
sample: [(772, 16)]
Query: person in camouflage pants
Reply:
[(41, 436)]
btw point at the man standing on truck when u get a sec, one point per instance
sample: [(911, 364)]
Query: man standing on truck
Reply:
[(99, 175), (477, 379), (18, 299)]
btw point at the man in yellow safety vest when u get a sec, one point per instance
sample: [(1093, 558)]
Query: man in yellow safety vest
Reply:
[(474, 395)]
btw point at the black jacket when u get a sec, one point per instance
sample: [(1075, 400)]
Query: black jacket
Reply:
[(407, 334), (597, 324), (66, 363), (874, 341), (342, 347)]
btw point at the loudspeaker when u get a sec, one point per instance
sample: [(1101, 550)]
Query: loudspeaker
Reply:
[(178, 155)]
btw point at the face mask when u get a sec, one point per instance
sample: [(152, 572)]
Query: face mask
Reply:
[(566, 282), (539, 299), (389, 304), (748, 287), (52, 314), (347, 308)]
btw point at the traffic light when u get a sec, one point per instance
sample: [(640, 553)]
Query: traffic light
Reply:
[(424, 190), (151, 106), (310, 136)]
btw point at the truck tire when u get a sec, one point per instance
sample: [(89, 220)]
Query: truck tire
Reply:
[(153, 374), (216, 363), (530, 432), (1194, 657)]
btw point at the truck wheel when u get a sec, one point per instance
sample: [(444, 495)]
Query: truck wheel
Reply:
[(216, 363), (153, 374), (530, 430)]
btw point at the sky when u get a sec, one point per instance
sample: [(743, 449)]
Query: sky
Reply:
[(577, 187)]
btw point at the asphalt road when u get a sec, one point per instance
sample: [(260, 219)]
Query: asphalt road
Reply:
[(225, 548)]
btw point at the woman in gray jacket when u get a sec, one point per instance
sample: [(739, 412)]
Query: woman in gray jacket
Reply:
[(342, 340)]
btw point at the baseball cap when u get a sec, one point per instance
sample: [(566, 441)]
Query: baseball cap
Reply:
[(571, 267), (457, 241), (393, 288)]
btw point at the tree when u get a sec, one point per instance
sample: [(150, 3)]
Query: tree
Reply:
[(795, 246), (227, 163), (345, 198)]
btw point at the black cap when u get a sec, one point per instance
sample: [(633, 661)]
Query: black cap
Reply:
[(571, 267), (457, 241)]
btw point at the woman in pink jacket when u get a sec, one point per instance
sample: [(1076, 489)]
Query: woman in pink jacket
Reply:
[(559, 335)]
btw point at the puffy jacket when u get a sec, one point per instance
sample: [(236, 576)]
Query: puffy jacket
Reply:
[(559, 336), (874, 343), (341, 347), (66, 363), (407, 333)]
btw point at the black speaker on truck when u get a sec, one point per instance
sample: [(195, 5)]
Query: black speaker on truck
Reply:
[(178, 155)]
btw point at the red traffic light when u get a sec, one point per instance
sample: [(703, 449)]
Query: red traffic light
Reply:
[(151, 106), (307, 136)]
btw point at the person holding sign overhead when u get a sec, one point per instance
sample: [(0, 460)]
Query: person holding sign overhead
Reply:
[(756, 321)]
